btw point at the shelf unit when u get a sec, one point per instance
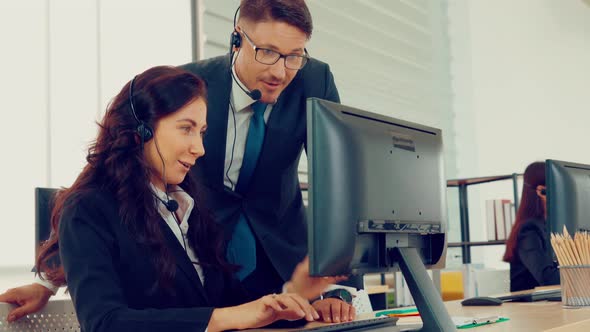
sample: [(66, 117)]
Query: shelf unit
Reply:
[(462, 185)]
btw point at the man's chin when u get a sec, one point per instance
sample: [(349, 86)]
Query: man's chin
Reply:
[(269, 99)]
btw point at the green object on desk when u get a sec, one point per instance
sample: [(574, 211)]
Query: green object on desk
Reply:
[(400, 311), (475, 324)]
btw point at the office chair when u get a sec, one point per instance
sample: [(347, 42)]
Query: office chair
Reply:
[(43, 206)]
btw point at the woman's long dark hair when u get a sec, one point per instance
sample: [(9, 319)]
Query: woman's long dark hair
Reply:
[(531, 206), (116, 163)]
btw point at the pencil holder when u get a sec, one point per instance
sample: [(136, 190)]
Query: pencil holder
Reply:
[(575, 289)]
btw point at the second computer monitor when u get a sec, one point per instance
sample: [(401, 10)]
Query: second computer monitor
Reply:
[(568, 196)]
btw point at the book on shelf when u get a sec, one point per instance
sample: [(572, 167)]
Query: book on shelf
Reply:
[(490, 220), (508, 207), (500, 223), (499, 218)]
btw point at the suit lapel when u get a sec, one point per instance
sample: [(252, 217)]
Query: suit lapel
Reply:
[(280, 128), (183, 262), (215, 286), (219, 88)]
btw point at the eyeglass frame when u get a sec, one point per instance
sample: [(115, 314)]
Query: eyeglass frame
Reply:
[(305, 57)]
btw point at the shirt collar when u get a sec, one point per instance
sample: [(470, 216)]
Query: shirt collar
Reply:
[(159, 193), (240, 99)]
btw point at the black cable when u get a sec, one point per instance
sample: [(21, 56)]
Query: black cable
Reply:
[(182, 236), (254, 94), (168, 200), (231, 160)]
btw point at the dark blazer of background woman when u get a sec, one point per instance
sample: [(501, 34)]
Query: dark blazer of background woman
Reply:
[(532, 265)]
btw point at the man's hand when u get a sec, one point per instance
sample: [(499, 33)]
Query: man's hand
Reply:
[(29, 299), (309, 287), (334, 310), (262, 312)]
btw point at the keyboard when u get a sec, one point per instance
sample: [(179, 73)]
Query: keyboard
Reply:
[(357, 325), (549, 295)]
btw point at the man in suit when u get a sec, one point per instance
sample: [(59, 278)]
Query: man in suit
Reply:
[(257, 131), (264, 216)]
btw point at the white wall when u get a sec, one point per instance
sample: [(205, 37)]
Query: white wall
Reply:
[(23, 131), (520, 74), (61, 62)]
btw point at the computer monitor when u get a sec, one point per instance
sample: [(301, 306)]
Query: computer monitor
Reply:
[(568, 196), (377, 200)]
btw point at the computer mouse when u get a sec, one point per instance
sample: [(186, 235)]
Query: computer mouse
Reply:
[(481, 301)]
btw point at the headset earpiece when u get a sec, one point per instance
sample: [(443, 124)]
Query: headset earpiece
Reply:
[(235, 40), (143, 130)]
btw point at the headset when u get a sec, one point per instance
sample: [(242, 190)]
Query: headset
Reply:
[(543, 191), (146, 133), (143, 130), (235, 42)]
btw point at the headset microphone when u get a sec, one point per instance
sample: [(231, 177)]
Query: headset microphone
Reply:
[(254, 94), (171, 205)]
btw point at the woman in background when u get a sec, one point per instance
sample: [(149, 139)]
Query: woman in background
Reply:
[(527, 248), (137, 251)]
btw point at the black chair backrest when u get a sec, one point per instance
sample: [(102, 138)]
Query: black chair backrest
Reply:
[(43, 207)]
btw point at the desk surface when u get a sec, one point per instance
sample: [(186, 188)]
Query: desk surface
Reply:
[(524, 316)]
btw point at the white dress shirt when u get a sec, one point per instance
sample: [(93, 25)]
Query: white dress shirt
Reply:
[(239, 105), (185, 207)]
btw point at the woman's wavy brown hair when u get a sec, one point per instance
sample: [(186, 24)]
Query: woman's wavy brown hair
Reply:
[(116, 163)]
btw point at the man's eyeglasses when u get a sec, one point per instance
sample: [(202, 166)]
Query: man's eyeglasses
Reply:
[(270, 57)]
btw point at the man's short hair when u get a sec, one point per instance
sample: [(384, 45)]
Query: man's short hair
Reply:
[(292, 12)]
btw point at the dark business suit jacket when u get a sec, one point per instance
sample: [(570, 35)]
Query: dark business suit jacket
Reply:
[(109, 275), (532, 264), (273, 203)]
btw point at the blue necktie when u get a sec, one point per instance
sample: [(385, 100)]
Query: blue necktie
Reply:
[(254, 142), (242, 246)]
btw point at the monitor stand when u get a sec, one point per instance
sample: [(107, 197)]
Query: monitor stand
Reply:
[(435, 316)]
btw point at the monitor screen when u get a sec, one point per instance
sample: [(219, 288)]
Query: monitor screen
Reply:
[(568, 196), (375, 183)]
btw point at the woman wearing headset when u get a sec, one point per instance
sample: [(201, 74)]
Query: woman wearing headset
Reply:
[(137, 251), (526, 248)]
